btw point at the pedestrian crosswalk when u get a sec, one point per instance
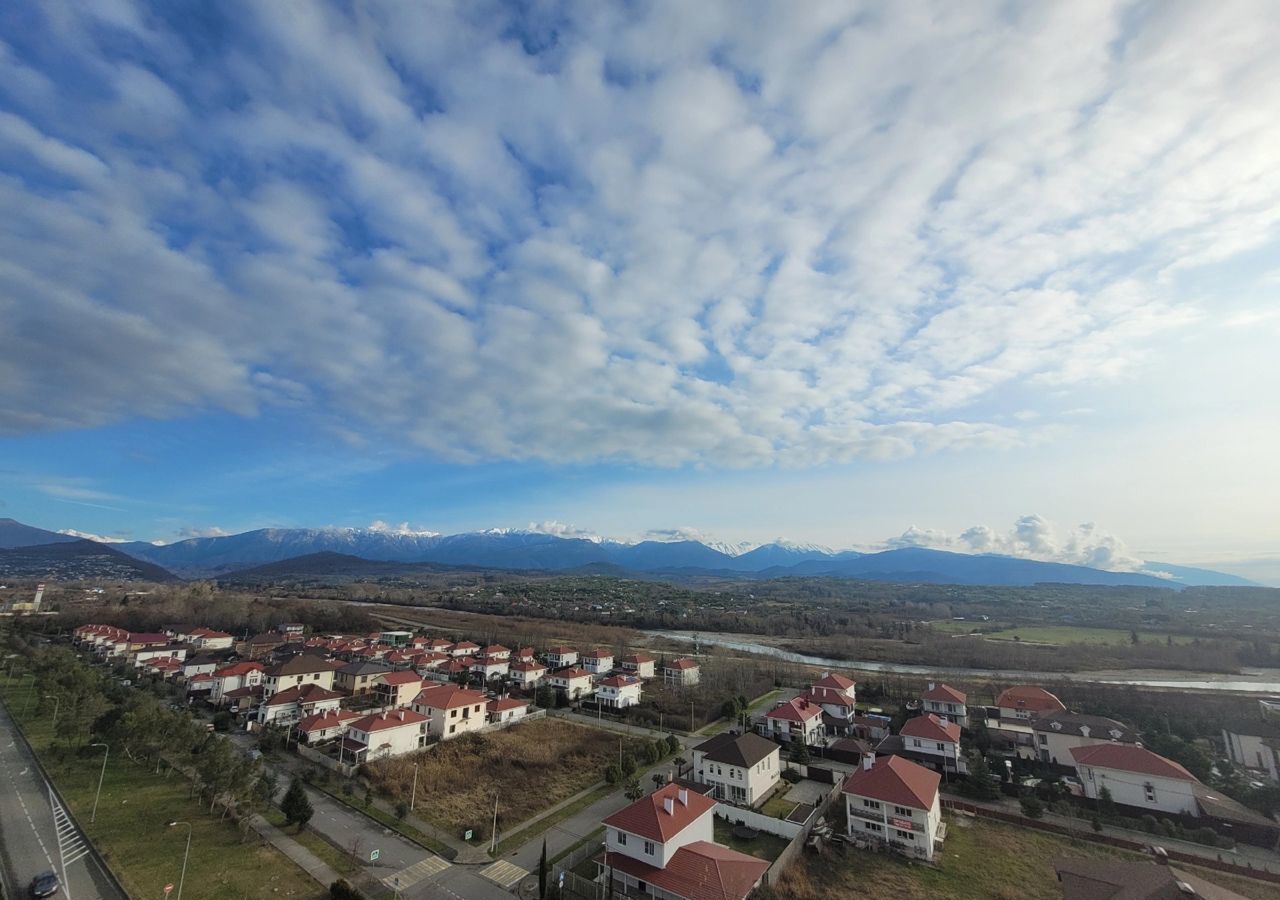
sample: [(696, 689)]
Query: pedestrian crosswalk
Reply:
[(71, 845), (504, 873), (411, 875)]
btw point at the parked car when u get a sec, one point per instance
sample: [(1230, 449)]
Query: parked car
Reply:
[(44, 885)]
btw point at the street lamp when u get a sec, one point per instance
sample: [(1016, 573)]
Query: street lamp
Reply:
[(31, 690), (413, 797), (106, 751), (184, 856), (57, 701)]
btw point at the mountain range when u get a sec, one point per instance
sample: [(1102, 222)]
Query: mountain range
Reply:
[(536, 551)]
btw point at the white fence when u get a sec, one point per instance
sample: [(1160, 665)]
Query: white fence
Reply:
[(760, 822)]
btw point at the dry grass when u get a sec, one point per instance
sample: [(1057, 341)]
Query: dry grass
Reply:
[(984, 860), (532, 766)]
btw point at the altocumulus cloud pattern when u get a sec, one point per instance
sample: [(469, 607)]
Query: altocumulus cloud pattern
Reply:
[(667, 233)]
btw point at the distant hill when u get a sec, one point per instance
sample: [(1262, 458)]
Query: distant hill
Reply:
[(77, 560), (15, 534), (332, 565), (1193, 577)]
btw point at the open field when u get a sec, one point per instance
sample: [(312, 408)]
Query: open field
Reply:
[(1056, 634), (533, 766), (984, 861), (131, 831)]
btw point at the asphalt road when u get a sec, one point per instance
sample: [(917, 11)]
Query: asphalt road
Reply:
[(28, 840)]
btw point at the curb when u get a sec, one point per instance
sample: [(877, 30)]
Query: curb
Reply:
[(93, 848)]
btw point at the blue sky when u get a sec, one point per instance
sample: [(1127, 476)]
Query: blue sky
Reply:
[(879, 273)]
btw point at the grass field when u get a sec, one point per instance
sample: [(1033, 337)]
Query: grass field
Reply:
[(984, 861), (132, 835), (1055, 634), (533, 766), (339, 860), (778, 805), (762, 846)]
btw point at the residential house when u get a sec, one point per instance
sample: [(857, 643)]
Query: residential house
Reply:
[(598, 662), (429, 661), (933, 741), (295, 703), (140, 658), (527, 675), (208, 639), (260, 645), (1254, 743), (437, 645), (395, 638), (560, 657), (229, 678), (663, 846), (507, 710), (486, 667), (397, 688), (524, 654), (1058, 732), (384, 735), (619, 691), (200, 687), (640, 665), (199, 665), (1025, 703), (742, 768), (574, 683), (451, 710), (1115, 879), (871, 727), (835, 695), (462, 648), (893, 801), (303, 668), (794, 720), (945, 701), (357, 678), (682, 672), (496, 652), (166, 667)]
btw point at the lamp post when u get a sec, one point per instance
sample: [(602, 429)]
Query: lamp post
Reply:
[(57, 701), (31, 690), (184, 856), (493, 844), (106, 751), (413, 797)]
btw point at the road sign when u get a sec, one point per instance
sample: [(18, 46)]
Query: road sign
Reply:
[(374, 854), (168, 889), (468, 834)]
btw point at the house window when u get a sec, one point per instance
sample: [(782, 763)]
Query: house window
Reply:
[(622, 839), (915, 742), (1150, 790), (942, 746), (871, 804), (453, 714), (901, 811), (872, 826), (648, 848)]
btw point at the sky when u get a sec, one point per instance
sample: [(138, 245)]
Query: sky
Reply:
[(985, 276)]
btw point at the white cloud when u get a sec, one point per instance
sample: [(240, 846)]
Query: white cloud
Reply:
[(1032, 537), (563, 530), (193, 532), (403, 528), (671, 235), (89, 536)]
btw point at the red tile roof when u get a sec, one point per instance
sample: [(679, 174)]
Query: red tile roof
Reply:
[(930, 727), (561, 651), (240, 668), (464, 645), (571, 673), (505, 703), (493, 649), (648, 818), (398, 678), (620, 681), (893, 779), (830, 696), (396, 718), (1028, 697), (448, 696), (597, 654), (330, 719), (700, 871), (1129, 758), (528, 667), (682, 663), (839, 682), (637, 658), (797, 709), (303, 693), (944, 693)]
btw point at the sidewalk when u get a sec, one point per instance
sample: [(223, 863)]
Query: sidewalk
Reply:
[(306, 860), (623, 728)]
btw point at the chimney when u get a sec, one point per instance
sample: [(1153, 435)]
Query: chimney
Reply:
[(683, 793), (868, 761), (669, 805), (932, 685)]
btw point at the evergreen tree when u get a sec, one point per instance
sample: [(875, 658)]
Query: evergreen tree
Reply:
[(542, 871), (295, 805)]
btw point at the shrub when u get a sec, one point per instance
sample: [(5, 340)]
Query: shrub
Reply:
[(402, 809), (612, 774), (1096, 823), (629, 765), (1032, 807), (223, 721), (790, 775), (673, 744), (1150, 824), (342, 890)]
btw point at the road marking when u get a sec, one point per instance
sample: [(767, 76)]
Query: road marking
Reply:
[(504, 873), (406, 878)]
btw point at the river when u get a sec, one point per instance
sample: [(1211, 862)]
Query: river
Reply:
[(1258, 681)]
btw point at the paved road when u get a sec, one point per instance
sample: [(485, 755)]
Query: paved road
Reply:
[(28, 840)]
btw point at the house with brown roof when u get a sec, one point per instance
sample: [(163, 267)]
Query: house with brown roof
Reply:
[(208, 639), (462, 648), (682, 672), (496, 651), (663, 845), (934, 742), (486, 667), (1024, 703), (321, 727), (397, 688), (640, 665), (892, 801), (796, 719), (741, 768), (1058, 732), (1113, 879), (356, 678), (506, 710), (527, 675), (573, 682), (383, 735), (524, 654), (947, 702), (598, 662), (1136, 777), (451, 710), (560, 657), (835, 695), (303, 668), (619, 691), (288, 706), (229, 678)]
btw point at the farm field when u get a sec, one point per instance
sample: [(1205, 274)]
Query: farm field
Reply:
[(1056, 634), (533, 766), (981, 861)]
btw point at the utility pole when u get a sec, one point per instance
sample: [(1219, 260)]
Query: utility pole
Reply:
[(413, 797), (106, 751), (493, 840)]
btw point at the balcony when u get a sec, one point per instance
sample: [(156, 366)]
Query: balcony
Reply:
[(889, 821)]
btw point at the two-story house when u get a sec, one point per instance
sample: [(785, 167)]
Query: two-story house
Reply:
[(560, 657), (947, 702), (486, 667), (597, 662), (304, 668), (463, 648), (358, 678), (1024, 703), (934, 742), (384, 735), (641, 665), (794, 720), (236, 675), (325, 726), (1058, 732), (573, 682), (893, 801), (741, 768), (496, 652), (1136, 778), (663, 846), (294, 703), (208, 639), (835, 695), (619, 691), (397, 688), (682, 672), (506, 710), (451, 710), (527, 675)]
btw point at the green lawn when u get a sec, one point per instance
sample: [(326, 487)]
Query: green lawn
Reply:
[(983, 861), (1055, 634), (753, 707), (132, 835), (778, 805), (339, 860), (763, 846)]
